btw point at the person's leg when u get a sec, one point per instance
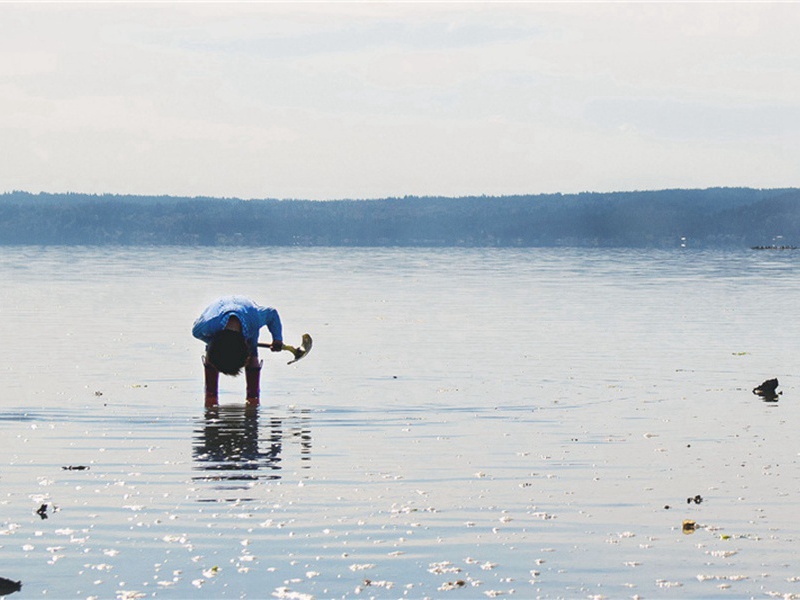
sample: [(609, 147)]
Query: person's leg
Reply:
[(252, 372), (211, 383)]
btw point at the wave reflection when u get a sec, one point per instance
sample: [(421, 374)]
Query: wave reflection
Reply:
[(234, 447)]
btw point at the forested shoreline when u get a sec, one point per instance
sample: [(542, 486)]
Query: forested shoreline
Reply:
[(715, 217)]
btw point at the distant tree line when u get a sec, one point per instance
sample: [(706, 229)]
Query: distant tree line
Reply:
[(731, 217)]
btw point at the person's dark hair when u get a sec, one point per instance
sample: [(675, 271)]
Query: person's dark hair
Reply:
[(228, 351)]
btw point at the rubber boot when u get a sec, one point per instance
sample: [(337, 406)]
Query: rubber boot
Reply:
[(253, 376), (212, 384)]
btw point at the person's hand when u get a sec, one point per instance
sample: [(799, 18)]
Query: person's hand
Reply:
[(277, 346)]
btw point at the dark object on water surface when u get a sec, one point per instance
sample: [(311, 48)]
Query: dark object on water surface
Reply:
[(7, 586), (42, 512), (75, 468), (767, 389), (697, 499)]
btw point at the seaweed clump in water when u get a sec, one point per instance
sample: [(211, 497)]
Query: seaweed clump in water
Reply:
[(767, 390), (9, 586)]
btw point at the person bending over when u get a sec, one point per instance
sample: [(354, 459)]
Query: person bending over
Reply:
[(230, 326)]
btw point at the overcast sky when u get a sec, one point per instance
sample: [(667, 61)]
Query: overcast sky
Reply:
[(369, 100)]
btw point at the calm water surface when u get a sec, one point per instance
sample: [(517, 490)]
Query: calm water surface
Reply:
[(470, 424)]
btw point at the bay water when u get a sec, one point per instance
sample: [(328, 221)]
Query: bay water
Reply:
[(471, 423)]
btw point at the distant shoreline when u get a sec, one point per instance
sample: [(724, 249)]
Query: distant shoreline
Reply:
[(708, 218)]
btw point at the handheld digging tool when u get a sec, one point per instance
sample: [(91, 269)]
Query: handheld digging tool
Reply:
[(299, 352)]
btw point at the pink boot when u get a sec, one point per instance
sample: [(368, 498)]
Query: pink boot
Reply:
[(212, 384), (253, 375)]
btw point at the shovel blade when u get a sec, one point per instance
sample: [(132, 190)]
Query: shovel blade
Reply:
[(302, 350)]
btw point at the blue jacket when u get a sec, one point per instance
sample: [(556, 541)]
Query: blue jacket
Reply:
[(252, 317)]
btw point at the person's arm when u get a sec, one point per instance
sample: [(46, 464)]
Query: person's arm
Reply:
[(272, 320), (206, 326)]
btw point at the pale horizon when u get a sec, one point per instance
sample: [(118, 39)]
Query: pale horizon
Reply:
[(373, 100)]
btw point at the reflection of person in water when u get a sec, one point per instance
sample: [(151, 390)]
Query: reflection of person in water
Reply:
[(230, 443)]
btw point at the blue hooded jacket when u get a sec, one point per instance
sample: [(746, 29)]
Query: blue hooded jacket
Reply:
[(252, 317)]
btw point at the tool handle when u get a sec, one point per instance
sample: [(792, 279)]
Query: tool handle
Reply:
[(284, 347)]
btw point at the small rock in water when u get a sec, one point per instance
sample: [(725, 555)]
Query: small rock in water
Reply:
[(8, 586), (767, 389)]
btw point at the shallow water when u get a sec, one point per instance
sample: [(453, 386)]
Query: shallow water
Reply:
[(470, 423)]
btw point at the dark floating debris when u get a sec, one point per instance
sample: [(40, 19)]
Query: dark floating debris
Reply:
[(8, 586), (767, 390), (75, 468), (42, 512), (697, 499)]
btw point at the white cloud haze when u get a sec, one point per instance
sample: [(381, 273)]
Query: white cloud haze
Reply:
[(363, 100)]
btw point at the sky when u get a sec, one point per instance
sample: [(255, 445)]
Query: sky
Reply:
[(332, 100)]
